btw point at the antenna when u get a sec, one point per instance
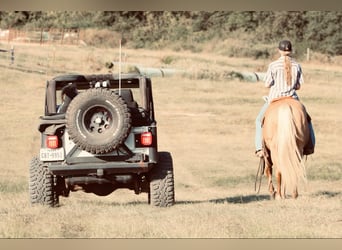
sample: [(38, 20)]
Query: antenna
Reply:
[(120, 67)]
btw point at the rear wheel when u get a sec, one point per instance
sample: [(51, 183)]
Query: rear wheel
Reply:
[(42, 186), (162, 193)]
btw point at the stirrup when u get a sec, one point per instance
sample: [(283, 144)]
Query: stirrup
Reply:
[(308, 151), (260, 153)]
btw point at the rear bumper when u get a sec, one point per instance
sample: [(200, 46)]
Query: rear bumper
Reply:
[(100, 169)]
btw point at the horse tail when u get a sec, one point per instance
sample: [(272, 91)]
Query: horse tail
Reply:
[(289, 155)]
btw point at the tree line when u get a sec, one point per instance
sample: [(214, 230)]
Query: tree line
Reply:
[(318, 30)]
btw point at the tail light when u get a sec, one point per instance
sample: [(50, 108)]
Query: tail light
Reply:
[(52, 141), (146, 139)]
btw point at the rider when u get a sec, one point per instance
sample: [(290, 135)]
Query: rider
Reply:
[(284, 76)]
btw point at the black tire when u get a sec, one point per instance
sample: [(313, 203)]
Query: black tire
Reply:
[(162, 191), (98, 121), (41, 186)]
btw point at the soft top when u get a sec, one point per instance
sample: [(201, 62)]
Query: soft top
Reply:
[(130, 80)]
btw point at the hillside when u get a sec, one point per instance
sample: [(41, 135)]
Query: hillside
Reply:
[(318, 30)]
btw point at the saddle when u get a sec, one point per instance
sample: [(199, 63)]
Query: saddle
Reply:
[(309, 148), (294, 102)]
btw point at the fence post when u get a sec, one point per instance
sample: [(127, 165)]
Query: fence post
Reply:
[(308, 54), (41, 36), (62, 36), (12, 55)]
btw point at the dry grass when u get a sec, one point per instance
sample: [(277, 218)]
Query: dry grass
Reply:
[(208, 126)]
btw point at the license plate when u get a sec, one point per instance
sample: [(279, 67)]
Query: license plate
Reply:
[(48, 154)]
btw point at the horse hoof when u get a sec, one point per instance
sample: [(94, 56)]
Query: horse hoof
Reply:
[(278, 198), (295, 195), (272, 195)]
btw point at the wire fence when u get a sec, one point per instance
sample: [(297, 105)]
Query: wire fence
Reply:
[(42, 36), (8, 37)]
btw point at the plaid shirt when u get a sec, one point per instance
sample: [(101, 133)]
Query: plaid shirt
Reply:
[(275, 79)]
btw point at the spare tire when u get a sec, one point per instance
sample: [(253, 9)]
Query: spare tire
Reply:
[(98, 121)]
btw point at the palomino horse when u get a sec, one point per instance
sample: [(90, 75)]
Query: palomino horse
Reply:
[(285, 133)]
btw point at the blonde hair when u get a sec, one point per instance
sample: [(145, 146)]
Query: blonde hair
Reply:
[(288, 71), (287, 67)]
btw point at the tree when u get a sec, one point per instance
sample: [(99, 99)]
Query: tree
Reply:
[(324, 31)]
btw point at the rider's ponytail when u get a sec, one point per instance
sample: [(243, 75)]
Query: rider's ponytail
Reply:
[(285, 47), (287, 70)]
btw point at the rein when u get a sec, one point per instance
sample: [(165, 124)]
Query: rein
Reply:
[(259, 174)]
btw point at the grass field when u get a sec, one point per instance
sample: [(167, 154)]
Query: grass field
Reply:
[(207, 123)]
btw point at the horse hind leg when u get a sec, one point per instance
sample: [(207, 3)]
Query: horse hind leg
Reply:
[(281, 189), (295, 193), (268, 171), (280, 193)]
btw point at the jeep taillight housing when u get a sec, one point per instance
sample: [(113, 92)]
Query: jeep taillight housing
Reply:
[(146, 139), (52, 141)]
